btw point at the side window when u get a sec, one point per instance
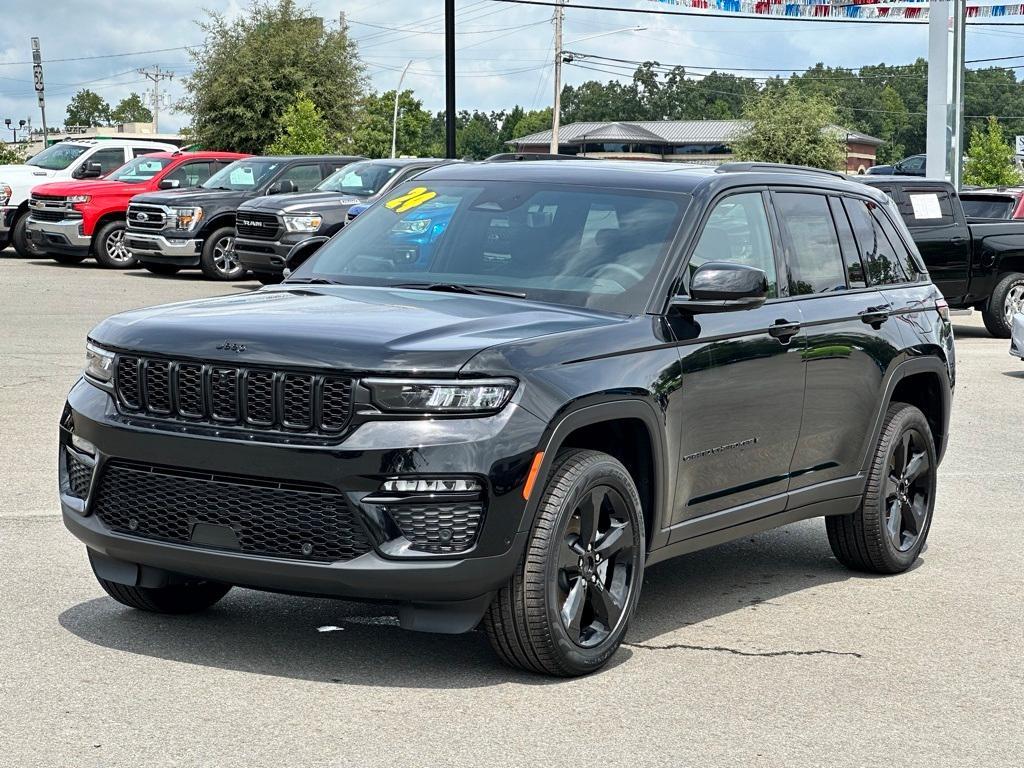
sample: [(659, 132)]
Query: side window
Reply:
[(899, 248), (191, 174), (927, 208), (875, 249), (140, 151), (737, 232), (913, 164), (811, 243), (855, 274), (305, 176), (109, 159)]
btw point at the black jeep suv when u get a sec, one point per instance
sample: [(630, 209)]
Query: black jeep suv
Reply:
[(591, 367)]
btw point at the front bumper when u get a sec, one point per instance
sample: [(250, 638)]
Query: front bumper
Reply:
[(155, 248), (1017, 336), (58, 236), (268, 256), (496, 449)]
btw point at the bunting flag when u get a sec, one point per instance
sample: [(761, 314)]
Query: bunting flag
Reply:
[(906, 10)]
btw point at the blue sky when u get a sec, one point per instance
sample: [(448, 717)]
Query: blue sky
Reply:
[(504, 50)]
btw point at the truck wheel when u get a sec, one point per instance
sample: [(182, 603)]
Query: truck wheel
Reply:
[(218, 259), (889, 530), (1007, 299), (565, 609), (20, 241), (162, 269), (67, 258), (110, 249), (175, 598)]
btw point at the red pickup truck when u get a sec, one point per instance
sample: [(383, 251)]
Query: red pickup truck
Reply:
[(72, 220)]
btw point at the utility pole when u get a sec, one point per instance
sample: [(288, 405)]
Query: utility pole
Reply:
[(557, 108), (156, 75), (37, 77), (449, 79), (394, 120)]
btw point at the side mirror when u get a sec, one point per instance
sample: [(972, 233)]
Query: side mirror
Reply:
[(301, 251), (89, 171), (283, 187), (169, 184), (723, 287)]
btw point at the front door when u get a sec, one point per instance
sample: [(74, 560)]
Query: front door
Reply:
[(742, 383)]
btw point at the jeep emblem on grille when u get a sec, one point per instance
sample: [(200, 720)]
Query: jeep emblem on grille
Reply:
[(230, 346)]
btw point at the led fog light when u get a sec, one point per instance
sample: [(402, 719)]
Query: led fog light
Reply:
[(430, 486)]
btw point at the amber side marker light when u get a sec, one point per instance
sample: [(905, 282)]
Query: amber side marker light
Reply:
[(532, 477)]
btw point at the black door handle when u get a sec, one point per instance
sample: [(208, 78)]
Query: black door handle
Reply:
[(958, 240), (783, 330), (875, 316)]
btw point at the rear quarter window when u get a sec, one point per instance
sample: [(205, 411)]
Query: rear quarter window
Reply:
[(880, 259)]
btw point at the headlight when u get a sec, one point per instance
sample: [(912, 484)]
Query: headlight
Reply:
[(302, 223), (99, 363), (188, 218), (421, 396), (5, 194), (78, 198), (413, 227)]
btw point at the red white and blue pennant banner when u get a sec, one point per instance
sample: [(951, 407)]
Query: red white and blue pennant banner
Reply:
[(909, 10)]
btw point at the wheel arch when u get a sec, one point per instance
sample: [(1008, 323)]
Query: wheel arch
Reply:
[(218, 221)]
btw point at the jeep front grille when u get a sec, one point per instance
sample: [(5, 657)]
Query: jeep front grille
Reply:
[(220, 395)]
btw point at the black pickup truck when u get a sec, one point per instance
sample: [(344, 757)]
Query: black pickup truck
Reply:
[(266, 229), (976, 263), (195, 228)]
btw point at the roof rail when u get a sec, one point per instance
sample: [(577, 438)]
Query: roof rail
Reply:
[(776, 168)]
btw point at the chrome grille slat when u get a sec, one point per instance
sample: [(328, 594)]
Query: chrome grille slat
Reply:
[(155, 217), (255, 399)]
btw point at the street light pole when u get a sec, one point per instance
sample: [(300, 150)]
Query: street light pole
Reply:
[(394, 121), (449, 78)]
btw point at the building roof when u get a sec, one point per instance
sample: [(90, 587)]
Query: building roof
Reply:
[(665, 132)]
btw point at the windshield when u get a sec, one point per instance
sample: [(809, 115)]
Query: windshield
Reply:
[(140, 169), (997, 207), (359, 179), (577, 246), (243, 175), (58, 157)]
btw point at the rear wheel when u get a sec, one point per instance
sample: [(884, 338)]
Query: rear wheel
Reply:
[(218, 259), (67, 258), (566, 608), (161, 269), (191, 597), (888, 532), (1007, 299), (110, 248)]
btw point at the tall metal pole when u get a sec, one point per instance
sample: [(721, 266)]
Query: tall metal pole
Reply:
[(956, 116), (449, 78), (394, 120), (556, 108), (156, 75), (37, 76)]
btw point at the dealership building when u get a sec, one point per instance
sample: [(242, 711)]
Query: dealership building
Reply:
[(687, 141)]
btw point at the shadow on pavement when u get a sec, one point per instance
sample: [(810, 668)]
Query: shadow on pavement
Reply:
[(971, 332), (279, 635)]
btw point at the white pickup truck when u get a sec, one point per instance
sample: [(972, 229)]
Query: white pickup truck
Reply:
[(66, 161)]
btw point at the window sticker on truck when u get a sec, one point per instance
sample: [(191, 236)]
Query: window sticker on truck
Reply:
[(926, 206), (411, 199)]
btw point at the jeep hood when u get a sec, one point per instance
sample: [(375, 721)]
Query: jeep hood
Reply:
[(302, 202), (341, 327)]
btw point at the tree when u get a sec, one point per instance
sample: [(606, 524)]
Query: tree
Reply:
[(12, 154), (252, 65), (372, 134), (88, 109), (534, 121), (990, 158), (131, 110), (790, 127), (302, 130), (478, 139)]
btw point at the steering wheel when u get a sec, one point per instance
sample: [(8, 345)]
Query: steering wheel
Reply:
[(622, 269)]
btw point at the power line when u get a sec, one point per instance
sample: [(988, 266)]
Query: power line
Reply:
[(107, 55)]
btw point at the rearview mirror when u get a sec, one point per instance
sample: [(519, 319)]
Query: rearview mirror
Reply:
[(169, 184), (723, 287), (282, 187), (301, 251)]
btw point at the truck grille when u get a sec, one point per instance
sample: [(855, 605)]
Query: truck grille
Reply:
[(51, 208), (146, 217), (222, 395), (247, 514), (261, 226)]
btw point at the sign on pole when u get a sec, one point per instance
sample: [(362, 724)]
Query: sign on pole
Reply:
[(1019, 149), (37, 81)]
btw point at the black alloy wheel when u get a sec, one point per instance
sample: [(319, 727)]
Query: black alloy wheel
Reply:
[(908, 491)]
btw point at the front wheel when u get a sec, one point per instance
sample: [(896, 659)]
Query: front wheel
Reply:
[(218, 259), (191, 597), (19, 238), (67, 258), (111, 250), (565, 610), (162, 269), (1007, 299)]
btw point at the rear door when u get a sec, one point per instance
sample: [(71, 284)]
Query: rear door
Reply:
[(938, 226)]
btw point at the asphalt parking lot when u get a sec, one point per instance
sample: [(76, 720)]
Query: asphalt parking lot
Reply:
[(761, 652)]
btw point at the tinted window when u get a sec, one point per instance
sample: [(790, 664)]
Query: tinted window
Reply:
[(525, 237), (926, 208), (191, 174), (896, 243), (737, 232), (875, 250), (855, 274), (360, 179), (305, 177), (109, 159), (995, 207), (243, 175), (811, 242), (915, 163)]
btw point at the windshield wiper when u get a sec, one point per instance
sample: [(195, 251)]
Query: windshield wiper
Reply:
[(313, 281), (477, 290)]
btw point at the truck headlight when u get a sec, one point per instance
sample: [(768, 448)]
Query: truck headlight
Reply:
[(188, 218), (78, 199), (99, 363), (5, 194), (302, 223), (478, 396)]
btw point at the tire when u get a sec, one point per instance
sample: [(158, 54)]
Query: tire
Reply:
[(1006, 300), (19, 239), (162, 269), (217, 260), (109, 247), (525, 622), (867, 539), (67, 258), (268, 279), (175, 598)]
